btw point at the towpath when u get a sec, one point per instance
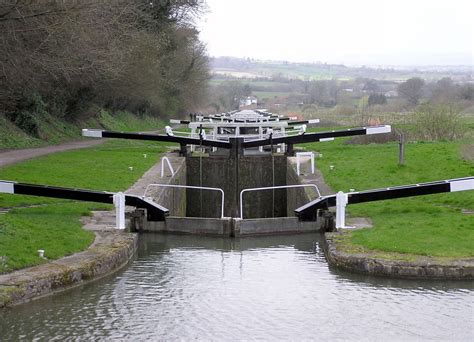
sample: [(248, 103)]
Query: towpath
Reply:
[(16, 156)]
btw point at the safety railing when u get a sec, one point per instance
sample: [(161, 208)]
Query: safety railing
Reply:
[(163, 160), (300, 155), (274, 188), (190, 187)]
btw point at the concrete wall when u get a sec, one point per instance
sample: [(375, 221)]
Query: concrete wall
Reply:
[(269, 226), (231, 227), (233, 175), (192, 225)]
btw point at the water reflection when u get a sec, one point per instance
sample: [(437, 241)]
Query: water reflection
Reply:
[(185, 287)]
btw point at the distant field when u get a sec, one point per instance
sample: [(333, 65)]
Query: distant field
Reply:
[(273, 94), (322, 71), (251, 82), (236, 73)]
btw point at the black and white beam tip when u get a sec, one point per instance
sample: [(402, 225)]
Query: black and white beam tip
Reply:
[(155, 212), (92, 133), (180, 122)]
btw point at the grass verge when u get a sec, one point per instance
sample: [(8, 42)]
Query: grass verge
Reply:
[(54, 226), (433, 225)]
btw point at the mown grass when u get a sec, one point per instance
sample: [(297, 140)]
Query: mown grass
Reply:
[(54, 225), (55, 229), (431, 225)]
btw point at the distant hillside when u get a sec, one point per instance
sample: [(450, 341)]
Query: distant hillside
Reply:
[(233, 67)]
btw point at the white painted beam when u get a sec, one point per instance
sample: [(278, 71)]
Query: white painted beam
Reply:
[(92, 133), (7, 187), (379, 129), (462, 185)]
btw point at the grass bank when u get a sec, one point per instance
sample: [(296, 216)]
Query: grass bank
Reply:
[(52, 224), (434, 225), (53, 130)]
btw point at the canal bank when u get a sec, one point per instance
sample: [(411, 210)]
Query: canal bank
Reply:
[(111, 250), (342, 254)]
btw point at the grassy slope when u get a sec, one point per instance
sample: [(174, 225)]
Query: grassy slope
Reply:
[(55, 226), (427, 225), (55, 130)]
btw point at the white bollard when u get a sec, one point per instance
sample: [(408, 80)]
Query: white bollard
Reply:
[(341, 202), (119, 202), (169, 131)]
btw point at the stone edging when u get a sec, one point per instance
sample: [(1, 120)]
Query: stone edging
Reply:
[(422, 268), (110, 251)]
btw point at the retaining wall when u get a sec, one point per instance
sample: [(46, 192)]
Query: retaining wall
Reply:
[(421, 268)]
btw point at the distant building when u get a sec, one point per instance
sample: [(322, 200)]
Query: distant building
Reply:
[(248, 101), (391, 93)]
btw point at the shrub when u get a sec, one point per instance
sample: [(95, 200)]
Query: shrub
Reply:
[(438, 121), (27, 118)]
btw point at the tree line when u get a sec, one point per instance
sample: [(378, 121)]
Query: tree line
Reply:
[(65, 56), (399, 96)]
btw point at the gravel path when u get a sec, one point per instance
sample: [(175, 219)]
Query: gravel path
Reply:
[(16, 156)]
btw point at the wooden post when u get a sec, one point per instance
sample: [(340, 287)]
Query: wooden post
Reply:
[(401, 152)]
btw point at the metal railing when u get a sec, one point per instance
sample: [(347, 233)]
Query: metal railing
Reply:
[(272, 188), (163, 160), (298, 161), (190, 187)]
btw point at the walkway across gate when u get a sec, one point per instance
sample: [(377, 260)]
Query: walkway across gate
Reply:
[(308, 212), (155, 212)]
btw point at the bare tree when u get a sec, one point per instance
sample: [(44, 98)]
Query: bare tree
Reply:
[(132, 54)]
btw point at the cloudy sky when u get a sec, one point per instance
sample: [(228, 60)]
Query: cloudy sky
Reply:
[(353, 32)]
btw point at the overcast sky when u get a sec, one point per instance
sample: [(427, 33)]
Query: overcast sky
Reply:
[(353, 32)]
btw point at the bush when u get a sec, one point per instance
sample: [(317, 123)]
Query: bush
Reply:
[(28, 116), (27, 122), (438, 121)]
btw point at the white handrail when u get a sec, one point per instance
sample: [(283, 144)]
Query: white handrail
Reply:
[(163, 160), (271, 188), (298, 161), (190, 187)]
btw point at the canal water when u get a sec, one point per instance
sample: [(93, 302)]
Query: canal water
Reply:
[(268, 288)]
